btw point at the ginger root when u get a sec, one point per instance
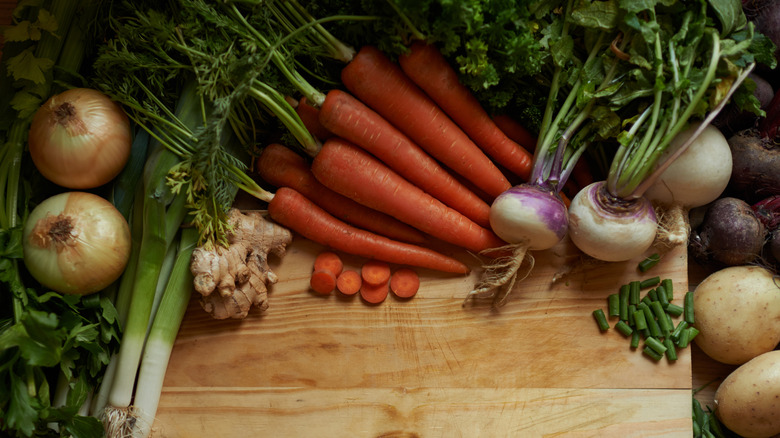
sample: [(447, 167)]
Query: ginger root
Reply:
[(239, 273)]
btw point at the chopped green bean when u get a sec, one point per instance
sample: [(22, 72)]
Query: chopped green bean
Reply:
[(686, 336), (623, 328), (633, 292), (623, 301), (649, 282), (635, 338), (652, 353), (652, 324), (640, 323), (693, 332), (656, 345), (661, 295), (646, 299), (688, 308), (661, 316), (653, 295), (613, 302), (631, 310), (671, 351), (682, 325), (649, 262), (669, 288), (601, 319), (674, 310)]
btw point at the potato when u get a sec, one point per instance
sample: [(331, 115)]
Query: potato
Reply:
[(748, 400), (737, 312)]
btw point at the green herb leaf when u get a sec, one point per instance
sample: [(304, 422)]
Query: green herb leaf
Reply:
[(730, 14), (26, 66), (596, 14)]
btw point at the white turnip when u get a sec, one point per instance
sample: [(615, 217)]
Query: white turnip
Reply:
[(696, 178), (645, 151)]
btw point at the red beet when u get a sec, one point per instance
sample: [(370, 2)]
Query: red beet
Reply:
[(730, 234), (756, 166)]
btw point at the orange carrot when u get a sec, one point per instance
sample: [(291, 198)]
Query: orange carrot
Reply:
[(374, 293), (353, 172), (328, 261), (428, 68), (349, 282), (310, 116), (352, 120), (517, 132), (405, 282), (566, 200), (375, 272), (374, 79), (294, 211), (283, 167), (323, 281)]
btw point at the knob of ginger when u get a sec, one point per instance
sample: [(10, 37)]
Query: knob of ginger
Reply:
[(233, 279)]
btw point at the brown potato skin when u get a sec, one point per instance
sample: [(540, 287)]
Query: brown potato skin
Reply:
[(748, 400), (737, 312)]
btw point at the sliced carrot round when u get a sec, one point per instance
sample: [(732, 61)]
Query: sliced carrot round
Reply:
[(329, 261), (405, 282), (375, 272), (374, 293), (322, 281), (349, 282)]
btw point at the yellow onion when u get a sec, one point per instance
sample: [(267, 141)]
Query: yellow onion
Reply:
[(80, 139), (76, 243)]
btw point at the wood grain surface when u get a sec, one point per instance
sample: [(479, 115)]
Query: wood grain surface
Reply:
[(336, 366)]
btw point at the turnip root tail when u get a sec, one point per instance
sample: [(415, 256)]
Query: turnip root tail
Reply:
[(501, 274), (673, 226)]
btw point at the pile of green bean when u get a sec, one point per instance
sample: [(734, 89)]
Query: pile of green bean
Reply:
[(650, 317)]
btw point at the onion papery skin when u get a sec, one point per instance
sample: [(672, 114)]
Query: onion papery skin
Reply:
[(530, 214), (80, 139), (611, 229), (76, 243)]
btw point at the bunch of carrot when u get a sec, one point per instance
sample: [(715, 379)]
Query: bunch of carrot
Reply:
[(407, 154)]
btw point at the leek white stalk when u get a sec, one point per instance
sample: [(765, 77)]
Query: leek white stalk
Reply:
[(162, 335)]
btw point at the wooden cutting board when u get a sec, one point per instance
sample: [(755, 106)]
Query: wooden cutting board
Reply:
[(334, 366)]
